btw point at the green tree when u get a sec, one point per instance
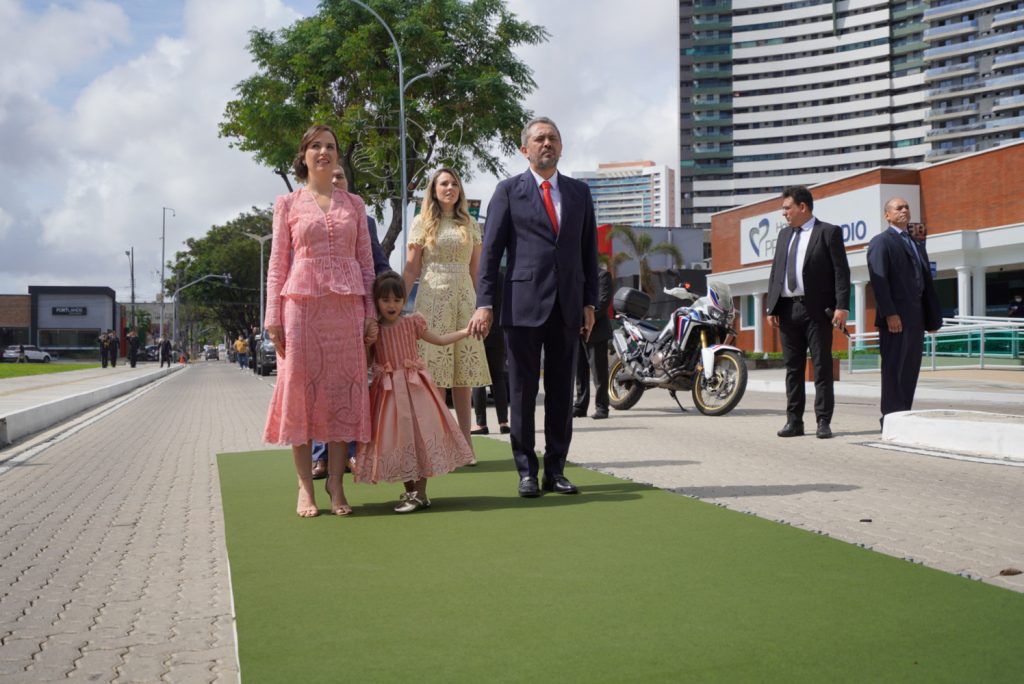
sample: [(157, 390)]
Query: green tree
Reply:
[(641, 246), (339, 68), (234, 307)]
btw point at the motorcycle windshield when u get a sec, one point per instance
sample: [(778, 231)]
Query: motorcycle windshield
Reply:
[(720, 295)]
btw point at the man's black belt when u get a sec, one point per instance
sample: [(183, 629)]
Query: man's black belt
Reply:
[(795, 299)]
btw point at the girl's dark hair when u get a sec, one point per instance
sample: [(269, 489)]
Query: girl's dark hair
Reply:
[(299, 164), (388, 283)]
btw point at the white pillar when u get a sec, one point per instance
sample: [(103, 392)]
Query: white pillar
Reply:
[(860, 289), (963, 290), (978, 290), (759, 322)]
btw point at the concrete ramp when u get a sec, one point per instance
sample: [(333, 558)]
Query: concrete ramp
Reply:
[(977, 433)]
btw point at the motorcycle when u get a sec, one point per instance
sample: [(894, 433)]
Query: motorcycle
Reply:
[(692, 352)]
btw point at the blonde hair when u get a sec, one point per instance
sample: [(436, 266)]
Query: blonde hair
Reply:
[(430, 210)]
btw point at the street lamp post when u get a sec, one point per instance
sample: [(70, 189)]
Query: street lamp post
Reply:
[(163, 259), (131, 271), (402, 85), (262, 239), (225, 277)]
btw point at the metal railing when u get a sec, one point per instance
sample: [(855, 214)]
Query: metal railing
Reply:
[(962, 342)]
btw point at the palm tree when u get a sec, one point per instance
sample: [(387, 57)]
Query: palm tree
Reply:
[(642, 246)]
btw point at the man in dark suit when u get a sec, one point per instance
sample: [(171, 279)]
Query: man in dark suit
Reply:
[(594, 355), (810, 276), (906, 304), (543, 222)]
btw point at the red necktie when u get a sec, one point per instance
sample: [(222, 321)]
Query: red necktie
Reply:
[(550, 205)]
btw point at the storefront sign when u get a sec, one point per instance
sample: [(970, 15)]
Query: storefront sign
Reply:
[(68, 310), (858, 213)]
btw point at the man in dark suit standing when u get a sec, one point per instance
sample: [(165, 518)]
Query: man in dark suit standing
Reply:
[(810, 276), (543, 222), (594, 355), (906, 304)]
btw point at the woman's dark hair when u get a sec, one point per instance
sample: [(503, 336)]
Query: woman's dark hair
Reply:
[(388, 283), (299, 164), (800, 195)]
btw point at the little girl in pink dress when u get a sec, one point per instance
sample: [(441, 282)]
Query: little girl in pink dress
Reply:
[(414, 435)]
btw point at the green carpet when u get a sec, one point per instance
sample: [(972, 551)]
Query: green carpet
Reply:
[(623, 583)]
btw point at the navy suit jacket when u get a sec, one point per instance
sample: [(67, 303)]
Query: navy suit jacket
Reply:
[(541, 269), (380, 261), (826, 271), (901, 285)]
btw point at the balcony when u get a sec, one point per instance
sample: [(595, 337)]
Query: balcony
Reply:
[(968, 67), (1012, 122), (933, 13), (974, 45), (950, 30), (1010, 17), (954, 131), (1008, 60), (945, 152), (946, 91), (939, 113), (912, 11), (1011, 102)]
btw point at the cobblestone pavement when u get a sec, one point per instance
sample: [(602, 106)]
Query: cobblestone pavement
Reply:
[(112, 559)]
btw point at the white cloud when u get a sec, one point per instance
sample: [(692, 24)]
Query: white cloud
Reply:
[(89, 180)]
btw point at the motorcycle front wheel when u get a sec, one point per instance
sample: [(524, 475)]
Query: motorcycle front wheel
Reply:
[(722, 392), (622, 394)]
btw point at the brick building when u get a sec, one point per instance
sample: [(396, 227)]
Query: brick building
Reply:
[(972, 208)]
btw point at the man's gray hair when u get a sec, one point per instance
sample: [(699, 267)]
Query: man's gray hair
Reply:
[(537, 120)]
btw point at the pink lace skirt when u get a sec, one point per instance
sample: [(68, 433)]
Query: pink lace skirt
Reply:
[(414, 433), (321, 391)]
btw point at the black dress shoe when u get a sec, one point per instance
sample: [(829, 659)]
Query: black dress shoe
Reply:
[(528, 488), (824, 431), (559, 485), (791, 429), (480, 431), (504, 429), (579, 413), (600, 414)]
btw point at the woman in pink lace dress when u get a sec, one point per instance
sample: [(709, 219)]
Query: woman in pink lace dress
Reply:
[(320, 314), (414, 434)]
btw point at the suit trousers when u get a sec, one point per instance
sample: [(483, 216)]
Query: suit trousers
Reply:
[(801, 330), (560, 344), (496, 365), (901, 365), (593, 360)]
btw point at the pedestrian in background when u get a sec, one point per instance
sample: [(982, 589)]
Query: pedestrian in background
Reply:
[(906, 304), (115, 347), (133, 348), (808, 296), (593, 357), (104, 349), (444, 255), (250, 343), (494, 348), (165, 352), (242, 352), (320, 316)]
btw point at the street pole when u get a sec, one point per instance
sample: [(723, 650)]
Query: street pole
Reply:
[(225, 277), (163, 259), (262, 239), (131, 272)]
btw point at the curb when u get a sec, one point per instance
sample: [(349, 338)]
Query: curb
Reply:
[(851, 389), (20, 424), (993, 435)]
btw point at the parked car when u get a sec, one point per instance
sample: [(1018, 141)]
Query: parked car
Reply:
[(266, 355), (211, 354), (32, 353), (150, 353)]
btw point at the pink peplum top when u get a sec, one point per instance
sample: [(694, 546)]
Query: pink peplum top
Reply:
[(316, 253)]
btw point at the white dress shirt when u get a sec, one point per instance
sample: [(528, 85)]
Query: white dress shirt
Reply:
[(801, 255)]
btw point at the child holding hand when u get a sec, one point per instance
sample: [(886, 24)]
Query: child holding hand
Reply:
[(414, 436)]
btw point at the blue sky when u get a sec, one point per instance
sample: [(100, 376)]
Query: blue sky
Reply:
[(109, 112)]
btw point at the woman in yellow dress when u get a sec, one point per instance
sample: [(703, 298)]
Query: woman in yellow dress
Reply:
[(444, 254)]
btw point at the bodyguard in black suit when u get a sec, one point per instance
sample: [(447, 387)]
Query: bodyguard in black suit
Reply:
[(809, 275), (593, 355), (543, 222), (906, 305)]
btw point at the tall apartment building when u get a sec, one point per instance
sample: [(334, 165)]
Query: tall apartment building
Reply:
[(637, 193), (778, 93)]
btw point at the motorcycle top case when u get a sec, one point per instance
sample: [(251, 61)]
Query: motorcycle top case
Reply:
[(632, 303)]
